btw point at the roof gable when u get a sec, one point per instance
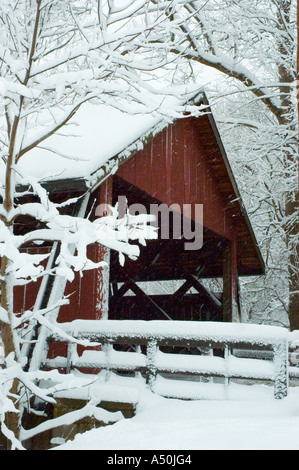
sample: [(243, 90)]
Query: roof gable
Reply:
[(186, 163), (123, 136)]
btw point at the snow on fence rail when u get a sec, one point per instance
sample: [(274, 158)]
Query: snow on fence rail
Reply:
[(156, 334), (294, 355)]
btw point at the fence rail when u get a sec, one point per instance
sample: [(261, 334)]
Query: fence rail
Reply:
[(148, 338), (294, 355)]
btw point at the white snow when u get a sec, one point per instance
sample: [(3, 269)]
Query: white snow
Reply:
[(200, 331), (230, 367), (247, 418), (96, 133), (124, 390), (152, 332), (123, 360)]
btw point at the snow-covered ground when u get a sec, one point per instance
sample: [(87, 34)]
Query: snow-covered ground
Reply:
[(249, 419)]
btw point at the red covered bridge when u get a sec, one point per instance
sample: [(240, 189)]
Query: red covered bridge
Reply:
[(182, 163)]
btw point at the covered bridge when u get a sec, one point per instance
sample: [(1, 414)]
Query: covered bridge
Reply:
[(154, 162)]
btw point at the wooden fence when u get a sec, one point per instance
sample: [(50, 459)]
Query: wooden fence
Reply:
[(294, 355), (154, 350)]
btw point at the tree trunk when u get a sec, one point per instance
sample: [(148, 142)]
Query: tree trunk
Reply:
[(294, 294), (9, 338), (12, 419), (289, 119)]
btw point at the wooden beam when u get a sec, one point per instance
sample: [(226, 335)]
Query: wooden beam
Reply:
[(139, 293), (230, 281), (122, 291), (212, 299), (179, 294), (103, 254)]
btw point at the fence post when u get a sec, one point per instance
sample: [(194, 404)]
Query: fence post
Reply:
[(227, 354), (281, 371), (71, 352), (108, 349), (138, 375), (151, 352)]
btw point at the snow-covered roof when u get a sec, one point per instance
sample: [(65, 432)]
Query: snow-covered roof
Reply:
[(95, 135), (99, 138)]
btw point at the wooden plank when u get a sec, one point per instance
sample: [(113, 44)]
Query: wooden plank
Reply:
[(155, 361), (179, 294), (230, 281), (211, 299), (178, 180), (143, 296), (101, 287)]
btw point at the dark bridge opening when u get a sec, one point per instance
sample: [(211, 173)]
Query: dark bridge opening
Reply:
[(137, 290)]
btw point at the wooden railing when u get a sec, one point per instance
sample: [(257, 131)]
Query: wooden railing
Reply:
[(148, 338), (294, 355)]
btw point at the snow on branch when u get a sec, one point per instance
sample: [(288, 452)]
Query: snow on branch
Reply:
[(55, 57)]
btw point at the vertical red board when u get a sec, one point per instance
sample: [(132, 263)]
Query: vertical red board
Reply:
[(102, 254), (187, 162), (177, 168), (88, 292), (158, 165), (174, 169)]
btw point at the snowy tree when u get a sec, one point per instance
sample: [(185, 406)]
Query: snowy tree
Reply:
[(255, 148), (253, 44), (54, 57)]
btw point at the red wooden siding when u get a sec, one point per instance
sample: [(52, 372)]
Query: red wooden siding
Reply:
[(173, 169), (183, 164), (89, 292)]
